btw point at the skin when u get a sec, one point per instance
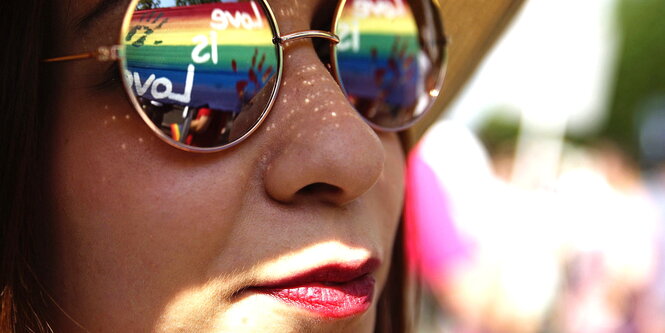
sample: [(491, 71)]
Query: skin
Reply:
[(147, 237)]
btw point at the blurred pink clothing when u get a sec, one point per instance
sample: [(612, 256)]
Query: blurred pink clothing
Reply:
[(433, 242)]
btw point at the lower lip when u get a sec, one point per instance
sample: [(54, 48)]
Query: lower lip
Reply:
[(332, 301)]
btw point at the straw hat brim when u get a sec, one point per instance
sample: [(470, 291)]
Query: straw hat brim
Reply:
[(472, 28)]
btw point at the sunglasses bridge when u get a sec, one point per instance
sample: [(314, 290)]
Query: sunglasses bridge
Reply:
[(306, 34)]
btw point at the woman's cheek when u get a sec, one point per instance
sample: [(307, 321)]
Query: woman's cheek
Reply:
[(133, 218)]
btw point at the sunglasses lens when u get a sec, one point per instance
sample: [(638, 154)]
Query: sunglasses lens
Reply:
[(391, 58), (201, 75)]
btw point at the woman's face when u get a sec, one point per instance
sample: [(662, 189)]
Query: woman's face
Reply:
[(151, 238)]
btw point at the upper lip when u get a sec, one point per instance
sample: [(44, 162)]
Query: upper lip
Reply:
[(335, 273)]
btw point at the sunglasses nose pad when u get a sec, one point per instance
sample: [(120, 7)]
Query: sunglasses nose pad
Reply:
[(251, 111), (324, 49)]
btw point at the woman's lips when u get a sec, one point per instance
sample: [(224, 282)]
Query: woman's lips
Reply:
[(332, 291), (333, 301)]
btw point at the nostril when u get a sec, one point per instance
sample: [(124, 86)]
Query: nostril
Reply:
[(319, 188)]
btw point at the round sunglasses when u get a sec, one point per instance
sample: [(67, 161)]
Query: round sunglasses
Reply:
[(204, 76)]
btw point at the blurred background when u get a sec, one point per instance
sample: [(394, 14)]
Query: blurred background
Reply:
[(550, 206)]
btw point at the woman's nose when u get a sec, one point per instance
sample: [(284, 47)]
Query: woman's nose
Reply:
[(323, 148)]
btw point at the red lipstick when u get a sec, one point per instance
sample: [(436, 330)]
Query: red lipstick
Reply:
[(333, 291)]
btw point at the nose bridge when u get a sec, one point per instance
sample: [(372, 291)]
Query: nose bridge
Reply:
[(306, 34), (323, 148)]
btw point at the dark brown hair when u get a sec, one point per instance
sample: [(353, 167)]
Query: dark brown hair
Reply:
[(396, 308), (24, 131)]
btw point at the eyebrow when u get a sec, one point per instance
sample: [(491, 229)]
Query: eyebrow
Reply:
[(102, 8)]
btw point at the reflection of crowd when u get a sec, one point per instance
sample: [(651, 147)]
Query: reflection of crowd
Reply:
[(200, 127)]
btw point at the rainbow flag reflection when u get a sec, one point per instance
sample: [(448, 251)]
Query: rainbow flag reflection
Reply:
[(217, 54), (377, 55)]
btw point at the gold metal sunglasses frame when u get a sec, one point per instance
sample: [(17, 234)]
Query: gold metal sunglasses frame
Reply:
[(112, 53)]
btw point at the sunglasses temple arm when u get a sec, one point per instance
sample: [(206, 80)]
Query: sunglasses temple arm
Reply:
[(103, 53), (111, 53)]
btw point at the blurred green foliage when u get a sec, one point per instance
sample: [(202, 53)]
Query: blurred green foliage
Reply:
[(499, 132), (148, 4), (640, 72)]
